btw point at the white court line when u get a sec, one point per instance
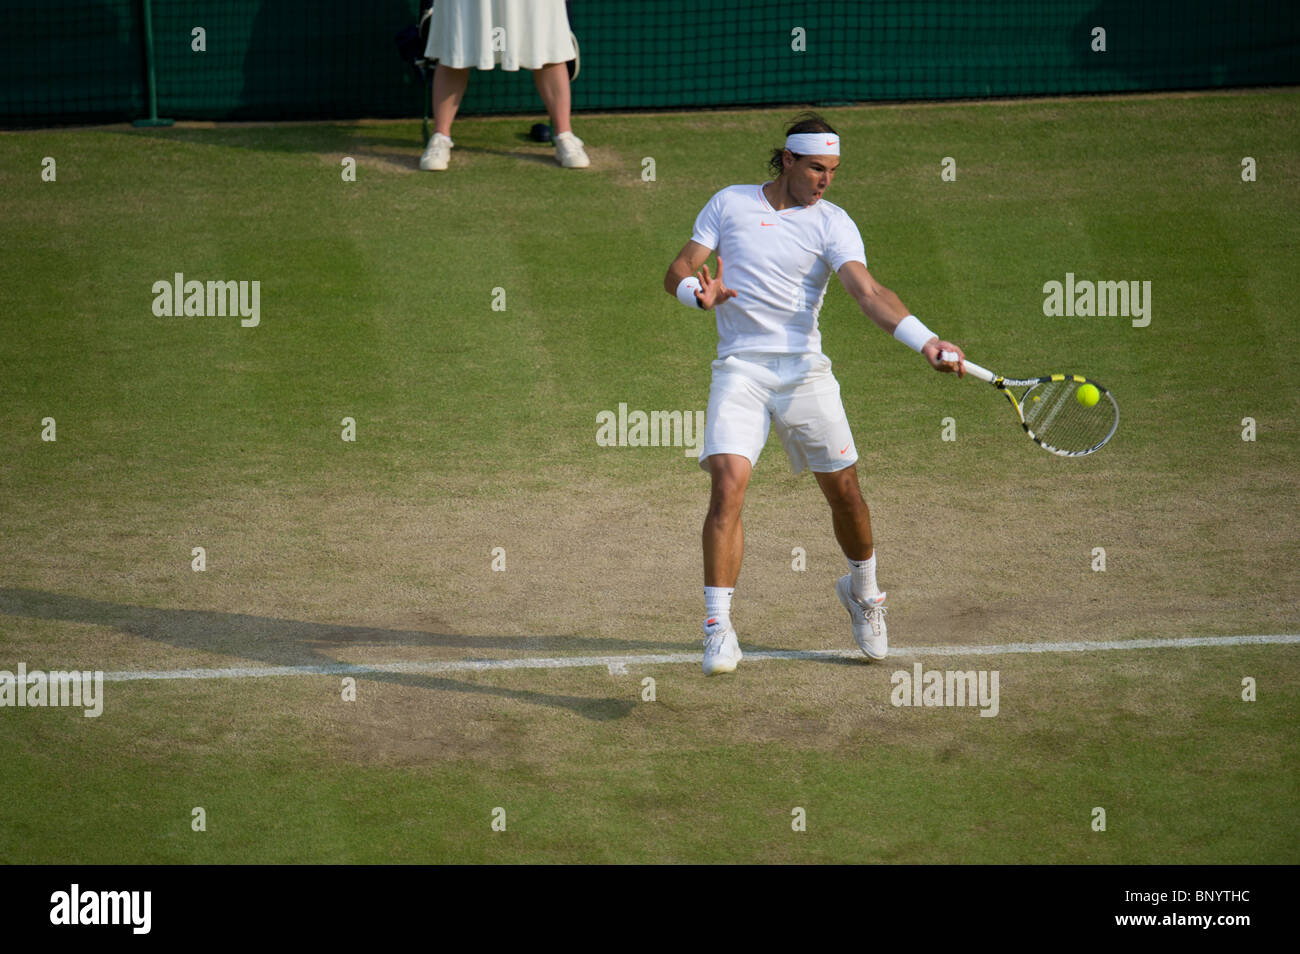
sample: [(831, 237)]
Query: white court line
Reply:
[(619, 664)]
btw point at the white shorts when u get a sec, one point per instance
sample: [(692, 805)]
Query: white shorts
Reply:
[(536, 33), (795, 392)]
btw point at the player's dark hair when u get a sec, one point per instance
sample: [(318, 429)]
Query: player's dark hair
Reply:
[(805, 122)]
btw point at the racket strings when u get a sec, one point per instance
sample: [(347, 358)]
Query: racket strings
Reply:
[(1055, 416)]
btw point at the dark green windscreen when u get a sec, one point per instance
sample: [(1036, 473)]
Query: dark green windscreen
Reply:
[(80, 61)]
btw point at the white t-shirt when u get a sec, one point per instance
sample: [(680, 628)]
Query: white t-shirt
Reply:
[(779, 263)]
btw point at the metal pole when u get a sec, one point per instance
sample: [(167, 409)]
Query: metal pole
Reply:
[(153, 119)]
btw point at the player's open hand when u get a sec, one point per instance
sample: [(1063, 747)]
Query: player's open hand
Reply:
[(712, 292), (945, 356)]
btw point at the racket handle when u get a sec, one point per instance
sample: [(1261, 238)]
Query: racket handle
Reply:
[(984, 374)]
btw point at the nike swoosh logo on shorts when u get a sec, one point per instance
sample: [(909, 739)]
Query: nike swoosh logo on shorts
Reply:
[(846, 448)]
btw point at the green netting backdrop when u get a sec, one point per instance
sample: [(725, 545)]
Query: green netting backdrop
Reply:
[(64, 62)]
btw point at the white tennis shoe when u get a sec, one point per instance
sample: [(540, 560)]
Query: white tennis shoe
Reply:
[(868, 619), (569, 152), (721, 648), (437, 153)]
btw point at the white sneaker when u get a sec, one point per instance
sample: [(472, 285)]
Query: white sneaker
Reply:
[(437, 153), (570, 154), (721, 648), (868, 619)]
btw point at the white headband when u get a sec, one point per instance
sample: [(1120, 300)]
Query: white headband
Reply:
[(813, 144)]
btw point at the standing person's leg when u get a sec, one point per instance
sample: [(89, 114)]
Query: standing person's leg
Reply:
[(552, 82), (448, 89)]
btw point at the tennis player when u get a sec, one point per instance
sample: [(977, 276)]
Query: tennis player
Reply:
[(781, 241)]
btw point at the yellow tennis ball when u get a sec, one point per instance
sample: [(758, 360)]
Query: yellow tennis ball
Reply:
[(1087, 395)]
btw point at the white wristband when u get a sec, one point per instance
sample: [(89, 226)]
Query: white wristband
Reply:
[(910, 331), (686, 289)]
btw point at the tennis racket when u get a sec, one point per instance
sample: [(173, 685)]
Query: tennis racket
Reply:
[(1051, 413)]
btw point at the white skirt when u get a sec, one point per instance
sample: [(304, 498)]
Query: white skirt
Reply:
[(514, 33)]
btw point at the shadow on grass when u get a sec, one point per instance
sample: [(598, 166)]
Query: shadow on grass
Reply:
[(328, 139), (291, 138), (283, 642)]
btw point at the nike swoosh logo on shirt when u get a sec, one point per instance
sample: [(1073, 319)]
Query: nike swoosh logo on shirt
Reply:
[(767, 223), (846, 448)]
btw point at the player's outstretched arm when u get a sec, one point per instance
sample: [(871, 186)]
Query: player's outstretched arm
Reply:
[(887, 310), (877, 302), (690, 263)]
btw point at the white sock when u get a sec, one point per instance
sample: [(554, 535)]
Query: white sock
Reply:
[(717, 604), (864, 578)]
